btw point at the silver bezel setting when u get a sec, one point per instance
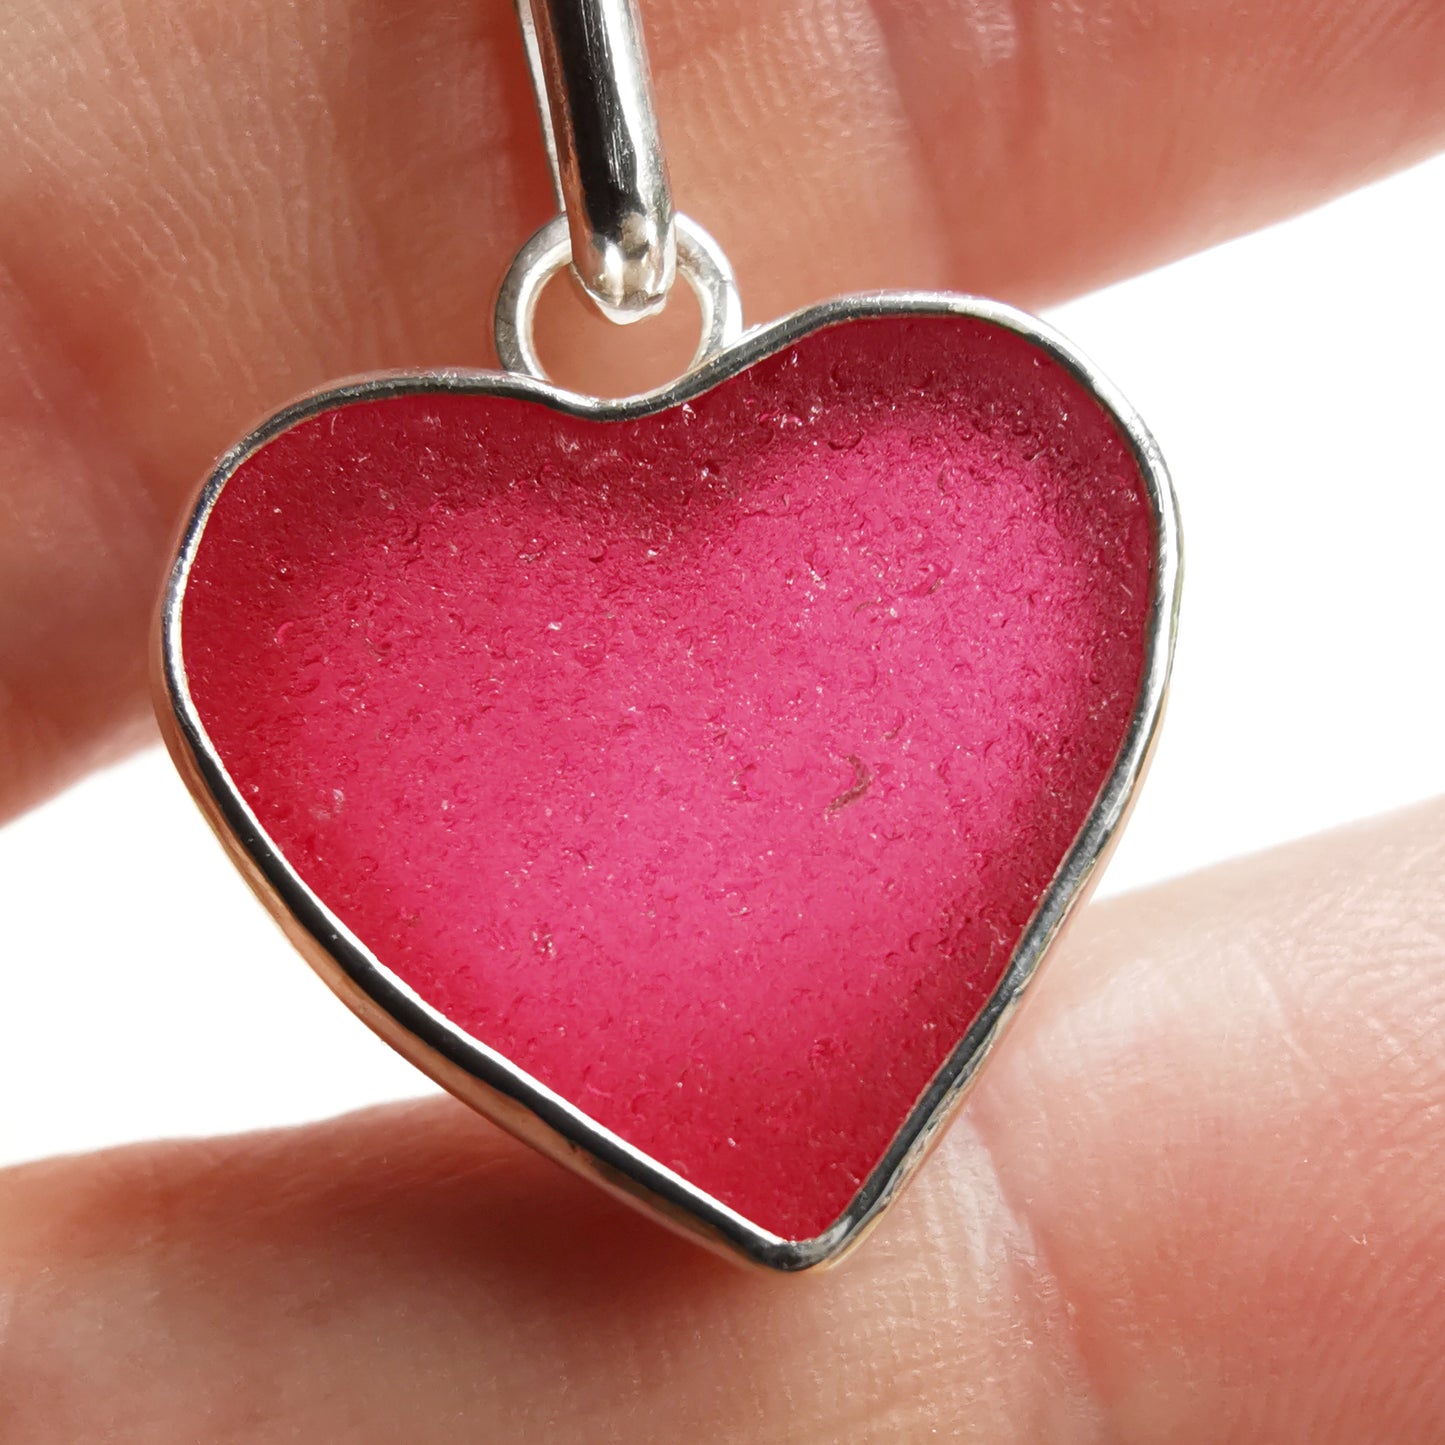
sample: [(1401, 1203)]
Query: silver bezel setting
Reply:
[(484, 1078)]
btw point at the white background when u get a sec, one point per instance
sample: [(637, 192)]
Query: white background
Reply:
[(1294, 382)]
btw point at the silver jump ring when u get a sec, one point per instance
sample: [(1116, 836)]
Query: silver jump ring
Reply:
[(699, 258)]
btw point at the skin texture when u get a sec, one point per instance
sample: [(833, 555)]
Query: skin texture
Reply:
[(1196, 1196)]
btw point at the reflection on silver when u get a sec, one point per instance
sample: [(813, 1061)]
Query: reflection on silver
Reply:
[(490, 1082), (594, 95)]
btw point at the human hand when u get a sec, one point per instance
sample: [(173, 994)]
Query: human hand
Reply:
[(376, 1276)]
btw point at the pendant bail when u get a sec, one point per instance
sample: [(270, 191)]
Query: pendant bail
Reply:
[(594, 95)]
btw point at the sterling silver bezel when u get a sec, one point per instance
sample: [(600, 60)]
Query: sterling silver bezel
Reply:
[(484, 1078)]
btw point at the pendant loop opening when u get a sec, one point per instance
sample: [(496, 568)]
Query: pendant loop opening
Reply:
[(700, 260)]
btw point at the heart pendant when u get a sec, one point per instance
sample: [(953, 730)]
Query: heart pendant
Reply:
[(692, 783)]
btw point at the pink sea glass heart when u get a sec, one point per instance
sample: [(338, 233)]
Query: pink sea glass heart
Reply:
[(707, 764)]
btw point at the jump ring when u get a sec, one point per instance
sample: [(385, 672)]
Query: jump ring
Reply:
[(699, 258)]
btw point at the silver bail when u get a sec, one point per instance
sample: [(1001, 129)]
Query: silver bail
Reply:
[(594, 94)]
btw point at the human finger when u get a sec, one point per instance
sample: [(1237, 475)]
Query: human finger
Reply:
[(1194, 1198), (206, 207)]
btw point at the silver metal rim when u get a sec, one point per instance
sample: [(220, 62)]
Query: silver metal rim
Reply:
[(487, 1080), (699, 258)]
